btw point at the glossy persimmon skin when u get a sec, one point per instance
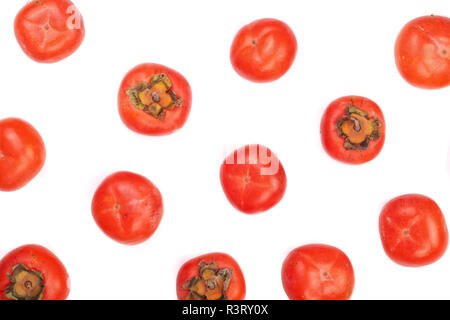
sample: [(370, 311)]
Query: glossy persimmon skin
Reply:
[(317, 272), (22, 153), (49, 30), (143, 123), (38, 258), (422, 52), (413, 230), (127, 207), (334, 145), (263, 50), (244, 184), (236, 289)]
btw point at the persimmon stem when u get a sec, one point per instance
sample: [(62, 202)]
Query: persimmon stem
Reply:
[(155, 97), (357, 125), (211, 284), (25, 284), (357, 129)]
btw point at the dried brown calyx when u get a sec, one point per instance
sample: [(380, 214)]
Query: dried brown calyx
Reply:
[(357, 129), (155, 97), (25, 284), (211, 284)]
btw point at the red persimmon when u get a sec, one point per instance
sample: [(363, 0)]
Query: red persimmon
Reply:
[(422, 52), (317, 272), (32, 272), (127, 207), (154, 100), (353, 130), (253, 179), (22, 153), (49, 30), (213, 276), (413, 230), (263, 50)]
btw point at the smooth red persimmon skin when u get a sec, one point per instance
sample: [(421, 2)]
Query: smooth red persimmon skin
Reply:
[(245, 187), (263, 50), (49, 30), (38, 258), (139, 121), (22, 153), (334, 145), (317, 272), (413, 230), (127, 207), (422, 52), (236, 289)]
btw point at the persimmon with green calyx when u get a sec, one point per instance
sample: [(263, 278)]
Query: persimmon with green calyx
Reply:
[(154, 100), (214, 276), (353, 130), (32, 272)]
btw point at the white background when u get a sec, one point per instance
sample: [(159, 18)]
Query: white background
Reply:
[(345, 47)]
